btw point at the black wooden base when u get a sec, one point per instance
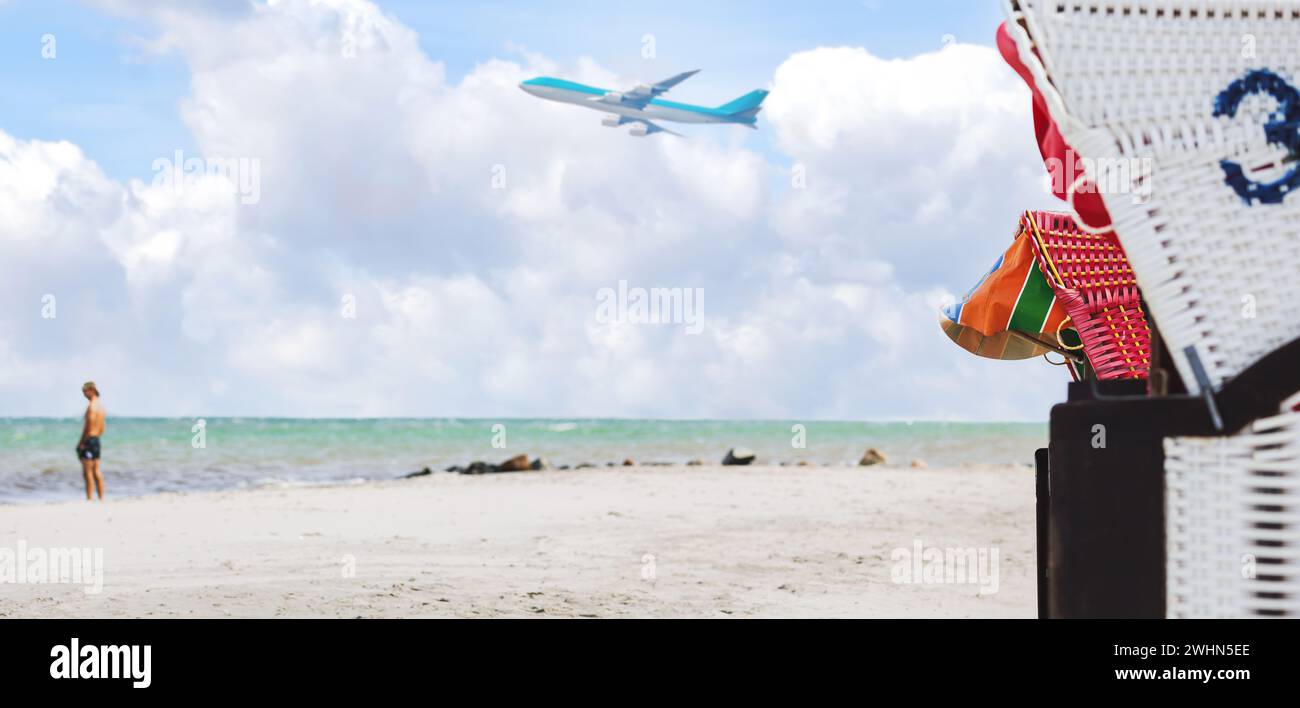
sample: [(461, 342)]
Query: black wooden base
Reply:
[(1102, 524)]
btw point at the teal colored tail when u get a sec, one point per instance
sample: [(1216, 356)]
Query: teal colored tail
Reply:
[(745, 107)]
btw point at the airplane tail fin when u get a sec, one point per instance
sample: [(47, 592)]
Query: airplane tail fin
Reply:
[(746, 107)]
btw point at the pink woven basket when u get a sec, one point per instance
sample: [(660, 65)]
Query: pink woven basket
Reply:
[(1093, 281)]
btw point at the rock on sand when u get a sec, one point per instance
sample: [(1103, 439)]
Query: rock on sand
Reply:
[(872, 457), (739, 456)]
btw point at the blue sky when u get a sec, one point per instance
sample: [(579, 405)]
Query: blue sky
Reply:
[(106, 94), (100, 92), (468, 227)]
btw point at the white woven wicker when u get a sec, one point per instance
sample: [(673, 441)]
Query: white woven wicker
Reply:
[(1232, 522), (1133, 85)]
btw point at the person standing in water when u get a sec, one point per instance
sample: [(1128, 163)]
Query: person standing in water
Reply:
[(88, 448)]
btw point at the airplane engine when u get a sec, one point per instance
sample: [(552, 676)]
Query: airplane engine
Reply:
[(611, 121), (639, 130), (614, 97)]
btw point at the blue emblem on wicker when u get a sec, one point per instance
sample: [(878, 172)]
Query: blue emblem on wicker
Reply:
[(1283, 128)]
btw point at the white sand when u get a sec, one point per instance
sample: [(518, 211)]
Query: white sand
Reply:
[(739, 542)]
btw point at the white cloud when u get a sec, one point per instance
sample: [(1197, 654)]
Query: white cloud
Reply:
[(377, 182)]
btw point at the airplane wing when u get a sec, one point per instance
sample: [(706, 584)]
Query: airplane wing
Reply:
[(642, 94)]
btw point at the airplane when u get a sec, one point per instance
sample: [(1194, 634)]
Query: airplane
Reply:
[(641, 106)]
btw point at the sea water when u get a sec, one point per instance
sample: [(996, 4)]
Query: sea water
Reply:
[(150, 455)]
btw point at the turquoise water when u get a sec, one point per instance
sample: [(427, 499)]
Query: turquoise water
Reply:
[(149, 455)]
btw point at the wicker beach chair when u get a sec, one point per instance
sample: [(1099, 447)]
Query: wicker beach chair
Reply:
[(1232, 510), (1187, 118), (1091, 278)]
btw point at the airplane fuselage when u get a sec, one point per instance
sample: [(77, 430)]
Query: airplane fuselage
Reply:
[(607, 102)]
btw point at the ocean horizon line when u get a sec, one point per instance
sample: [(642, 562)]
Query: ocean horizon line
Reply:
[(152, 454), (629, 419)]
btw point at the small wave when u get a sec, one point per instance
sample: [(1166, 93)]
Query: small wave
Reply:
[(279, 483)]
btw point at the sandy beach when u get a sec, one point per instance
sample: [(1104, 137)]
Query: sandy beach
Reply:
[(705, 541)]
